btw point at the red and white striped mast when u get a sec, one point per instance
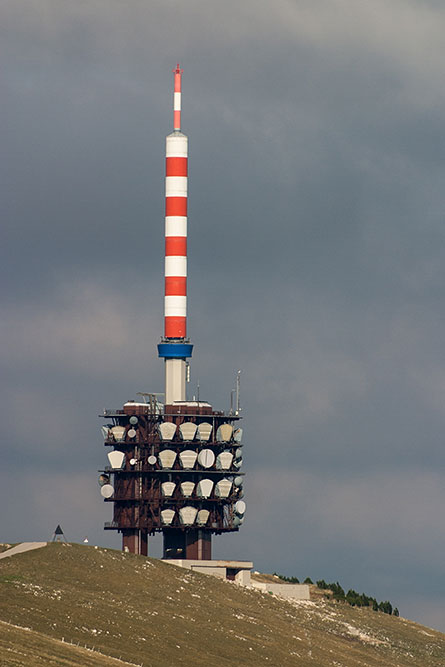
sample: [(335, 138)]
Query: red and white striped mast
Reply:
[(175, 348)]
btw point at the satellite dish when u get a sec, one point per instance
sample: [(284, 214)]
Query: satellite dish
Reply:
[(238, 434), (206, 458), (105, 431), (107, 491), (133, 462), (187, 430), (236, 521), (224, 433), (167, 430), (240, 507), (202, 517), (187, 488), (132, 433), (204, 488), (238, 463), (223, 488), (103, 479), (168, 488), (118, 433), (238, 453), (167, 517), (188, 458), (238, 481), (224, 460), (133, 420), (116, 459), (152, 460), (167, 458), (187, 515), (204, 431)]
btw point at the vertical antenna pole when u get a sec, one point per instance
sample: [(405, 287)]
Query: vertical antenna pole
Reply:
[(238, 409), (177, 99), (175, 309), (175, 348)]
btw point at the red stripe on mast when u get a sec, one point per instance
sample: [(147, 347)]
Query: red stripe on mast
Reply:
[(175, 301)]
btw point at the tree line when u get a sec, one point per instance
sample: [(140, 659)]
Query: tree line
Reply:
[(351, 597)]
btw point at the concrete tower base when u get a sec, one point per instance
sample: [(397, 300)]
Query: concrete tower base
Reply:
[(193, 544)]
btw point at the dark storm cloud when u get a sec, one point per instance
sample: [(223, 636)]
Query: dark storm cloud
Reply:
[(316, 264)]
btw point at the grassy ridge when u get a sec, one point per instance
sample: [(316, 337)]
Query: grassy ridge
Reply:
[(151, 613)]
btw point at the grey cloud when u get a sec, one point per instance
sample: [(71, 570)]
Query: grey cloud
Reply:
[(84, 326)]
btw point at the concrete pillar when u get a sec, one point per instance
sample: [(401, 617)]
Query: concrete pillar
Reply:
[(130, 541), (144, 543), (175, 376)]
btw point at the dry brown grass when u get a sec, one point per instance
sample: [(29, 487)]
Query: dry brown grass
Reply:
[(155, 614)]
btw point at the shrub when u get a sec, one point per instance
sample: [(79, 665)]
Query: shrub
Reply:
[(337, 591), (386, 607)]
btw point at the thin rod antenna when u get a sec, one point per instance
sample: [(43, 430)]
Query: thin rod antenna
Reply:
[(177, 99), (238, 409)]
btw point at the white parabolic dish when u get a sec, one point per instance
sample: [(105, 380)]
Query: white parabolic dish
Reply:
[(240, 507), (107, 490), (206, 458), (116, 459)]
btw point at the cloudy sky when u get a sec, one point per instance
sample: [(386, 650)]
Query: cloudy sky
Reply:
[(316, 265)]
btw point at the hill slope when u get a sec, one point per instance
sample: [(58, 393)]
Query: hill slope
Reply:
[(151, 613)]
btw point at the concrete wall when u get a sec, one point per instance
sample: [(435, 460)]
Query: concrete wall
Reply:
[(215, 571), (291, 591), (217, 568), (242, 578)]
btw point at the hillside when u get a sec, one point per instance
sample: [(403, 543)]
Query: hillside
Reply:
[(149, 613)]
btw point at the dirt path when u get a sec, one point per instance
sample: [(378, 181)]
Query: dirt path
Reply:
[(21, 548)]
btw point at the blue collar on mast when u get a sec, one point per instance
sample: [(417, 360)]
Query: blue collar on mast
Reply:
[(175, 350)]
